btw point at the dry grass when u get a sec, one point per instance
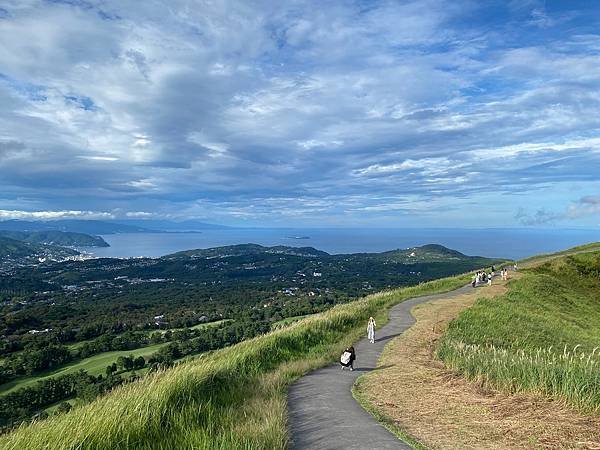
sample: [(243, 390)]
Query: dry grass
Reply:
[(444, 411)]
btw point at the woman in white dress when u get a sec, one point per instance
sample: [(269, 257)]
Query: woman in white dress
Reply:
[(371, 330)]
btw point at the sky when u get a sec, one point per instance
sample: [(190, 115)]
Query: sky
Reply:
[(428, 113)]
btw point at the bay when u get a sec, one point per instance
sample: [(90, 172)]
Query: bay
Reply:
[(513, 243)]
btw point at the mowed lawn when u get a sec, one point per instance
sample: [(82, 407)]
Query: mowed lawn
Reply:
[(94, 365)]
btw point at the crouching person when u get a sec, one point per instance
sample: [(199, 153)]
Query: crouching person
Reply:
[(347, 358)]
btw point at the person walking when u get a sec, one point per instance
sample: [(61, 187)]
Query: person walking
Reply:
[(371, 330)]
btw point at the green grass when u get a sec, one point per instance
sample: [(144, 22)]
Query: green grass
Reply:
[(199, 326), (591, 247), (233, 398), (287, 321), (94, 365), (543, 336), (73, 346), (53, 409)]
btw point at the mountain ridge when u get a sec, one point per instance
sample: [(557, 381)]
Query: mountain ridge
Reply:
[(55, 237)]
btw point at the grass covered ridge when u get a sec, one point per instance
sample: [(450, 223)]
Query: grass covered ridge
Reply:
[(232, 399), (543, 336)]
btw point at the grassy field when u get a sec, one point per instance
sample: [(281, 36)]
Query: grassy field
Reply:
[(287, 321), (199, 326), (234, 398), (543, 336), (94, 365)]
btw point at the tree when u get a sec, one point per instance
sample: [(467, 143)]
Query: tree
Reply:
[(139, 362), (64, 407), (125, 362)]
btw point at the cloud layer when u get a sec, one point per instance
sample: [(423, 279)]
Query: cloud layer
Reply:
[(390, 113)]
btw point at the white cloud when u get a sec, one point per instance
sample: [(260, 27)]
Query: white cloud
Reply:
[(586, 206), (426, 165), (53, 215), (161, 103)]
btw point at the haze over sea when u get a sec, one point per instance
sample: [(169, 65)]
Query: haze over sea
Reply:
[(510, 243)]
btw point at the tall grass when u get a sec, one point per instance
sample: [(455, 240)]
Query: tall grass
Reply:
[(542, 336), (234, 398)]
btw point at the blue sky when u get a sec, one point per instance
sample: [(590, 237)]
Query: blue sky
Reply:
[(365, 113)]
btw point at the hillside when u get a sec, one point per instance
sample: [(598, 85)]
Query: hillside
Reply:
[(85, 309), (53, 237), (425, 254), (13, 252), (511, 365), (235, 397), (542, 336), (93, 227), (246, 250), (231, 399)]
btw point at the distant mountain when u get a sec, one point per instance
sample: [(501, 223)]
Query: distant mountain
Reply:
[(72, 225), (246, 250), (174, 226), (425, 253), (430, 253), (54, 237)]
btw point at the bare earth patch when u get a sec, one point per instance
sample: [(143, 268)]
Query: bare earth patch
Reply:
[(441, 410)]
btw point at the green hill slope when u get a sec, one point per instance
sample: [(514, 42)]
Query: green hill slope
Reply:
[(54, 237), (15, 250), (542, 336), (233, 398)]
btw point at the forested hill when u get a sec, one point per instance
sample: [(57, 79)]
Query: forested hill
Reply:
[(72, 225), (12, 250), (54, 237), (430, 253), (247, 250), (78, 312)]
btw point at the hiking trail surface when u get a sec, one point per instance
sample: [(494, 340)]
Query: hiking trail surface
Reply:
[(324, 415)]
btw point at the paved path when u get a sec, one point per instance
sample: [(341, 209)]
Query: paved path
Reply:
[(324, 415)]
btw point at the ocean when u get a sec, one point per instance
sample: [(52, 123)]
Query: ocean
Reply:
[(506, 243)]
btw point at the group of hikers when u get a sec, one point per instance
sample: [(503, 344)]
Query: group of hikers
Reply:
[(349, 356), (481, 277)]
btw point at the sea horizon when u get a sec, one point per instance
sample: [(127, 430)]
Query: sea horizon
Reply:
[(510, 243)]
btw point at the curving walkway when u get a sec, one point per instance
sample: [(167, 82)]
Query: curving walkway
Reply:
[(322, 412)]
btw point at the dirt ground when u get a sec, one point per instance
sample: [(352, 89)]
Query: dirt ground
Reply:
[(443, 411)]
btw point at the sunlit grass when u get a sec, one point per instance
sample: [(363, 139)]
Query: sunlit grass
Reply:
[(234, 398), (542, 336)]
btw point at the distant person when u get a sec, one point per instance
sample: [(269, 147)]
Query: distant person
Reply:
[(347, 358), (490, 280), (515, 267), (371, 330)]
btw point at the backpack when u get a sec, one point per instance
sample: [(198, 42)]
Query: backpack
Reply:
[(345, 359)]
